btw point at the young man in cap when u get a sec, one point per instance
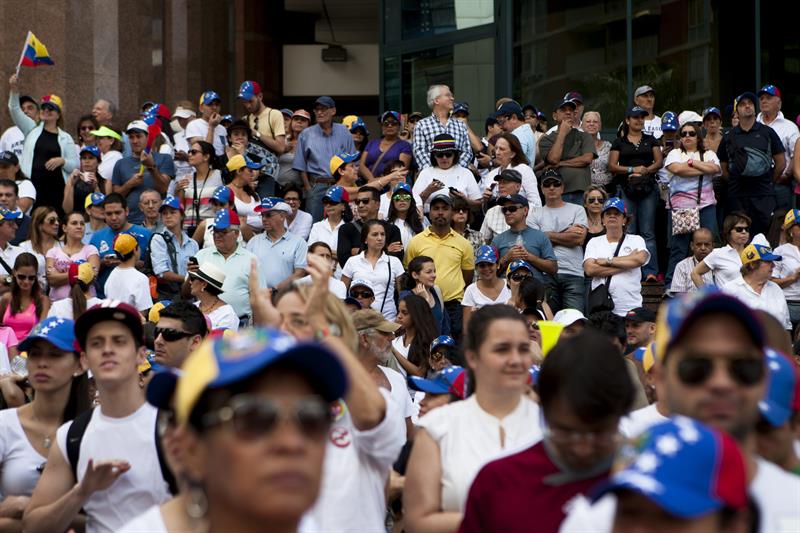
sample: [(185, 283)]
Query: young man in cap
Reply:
[(701, 245), (752, 156), (512, 119), (316, 145), (508, 182), (139, 171), (640, 328), (207, 126), (241, 142), (97, 217), (440, 101), (645, 97), (570, 151), (776, 431), (118, 440), (125, 283), (523, 242), (368, 204), (769, 104), (171, 249), (12, 139), (281, 254), (266, 124), (9, 194), (712, 123), (565, 225), (180, 329)]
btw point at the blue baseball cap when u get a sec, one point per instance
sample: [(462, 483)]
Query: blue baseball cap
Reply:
[(5, 214), (534, 372), (208, 97), (770, 90), (222, 194), (669, 121), (173, 202), (614, 202), (442, 340), (336, 194), (401, 187), (273, 204), (224, 219), (359, 123), (95, 199), (286, 112), (747, 95), (249, 89), (461, 107), (235, 357), (636, 111), (709, 111), (513, 199), (60, 332), (341, 159), (326, 101), (226, 118), (684, 467), (758, 252), (449, 380), (518, 264), (93, 150), (486, 254), (390, 114), (783, 394)]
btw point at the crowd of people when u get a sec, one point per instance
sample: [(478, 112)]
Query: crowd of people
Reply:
[(255, 318)]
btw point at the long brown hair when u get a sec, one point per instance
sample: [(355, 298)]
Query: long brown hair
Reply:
[(37, 220), (513, 143), (25, 259)]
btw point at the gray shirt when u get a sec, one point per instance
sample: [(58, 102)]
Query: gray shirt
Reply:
[(570, 259), (576, 144)]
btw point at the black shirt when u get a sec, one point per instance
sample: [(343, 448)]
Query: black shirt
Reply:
[(759, 137), (350, 237), (633, 155), (49, 183)]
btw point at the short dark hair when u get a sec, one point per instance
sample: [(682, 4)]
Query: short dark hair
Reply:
[(115, 198), (587, 372), (25, 98), (611, 325), (190, 316), (480, 320), (376, 194), (10, 183), (730, 222), (292, 188)]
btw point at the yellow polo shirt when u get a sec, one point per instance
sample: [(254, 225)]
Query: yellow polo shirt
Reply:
[(451, 255)]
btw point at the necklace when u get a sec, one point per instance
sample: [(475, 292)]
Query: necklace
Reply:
[(47, 442)]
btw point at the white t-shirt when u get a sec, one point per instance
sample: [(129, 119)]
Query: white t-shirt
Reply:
[(18, 459), (626, 287), (569, 258), (301, 225), (223, 317), (132, 439), (27, 190), (12, 140), (199, 128), (399, 345), (770, 300), (107, 162), (63, 308), (399, 391), (382, 277), (130, 286), (639, 420), (786, 267), (653, 127), (468, 437), (529, 188), (456, 176), (248, 210), (355, 471), (473, 297), (152, 521), (321, 232), (335, 286)]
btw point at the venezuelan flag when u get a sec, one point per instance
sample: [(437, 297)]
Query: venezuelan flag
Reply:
[(35, 53)]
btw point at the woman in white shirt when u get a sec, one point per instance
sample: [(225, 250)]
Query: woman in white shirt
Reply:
[(375, 265), (205, 284), (724, 263), (404, 214), (787, 271), (445, 175), (508, 154), (488, 289), (195, 191), (412, 347), (334, 205), (110, 144), (755, 288), (454, 441)]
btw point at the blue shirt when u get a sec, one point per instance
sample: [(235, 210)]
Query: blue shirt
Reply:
[(278, 259), (535, 243), (159, 253), (528, 142), (126, 168), (315, 149), (103, 240), (236, 289)]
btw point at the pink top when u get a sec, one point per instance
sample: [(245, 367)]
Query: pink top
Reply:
[(8, 337), (61, 263), (22, 323)]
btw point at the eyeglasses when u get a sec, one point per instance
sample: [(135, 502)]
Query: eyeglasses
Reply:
[(741, 229), (509, 209), (171, 334), (51, 220), (363, 201), (551, 183), (443, 155), (362, 294), (519, 276), (291, 200), (594, 200), (194, 151), (689, 133), (253, 417), (23, 277), (86, 128), (597, 438), (746, 371), (389, 123), (402, 197)]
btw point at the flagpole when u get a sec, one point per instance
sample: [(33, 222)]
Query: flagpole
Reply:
[(21, 55)]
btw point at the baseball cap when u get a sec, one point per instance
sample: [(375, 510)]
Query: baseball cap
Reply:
[(60, 332), (450, 380), (689, 116), (508, 108), (461, 107), (232, 358), (416, 115), (486, 254), (534, 372), (558, 104), (792, 217), (239, 124), (273, 204), (640, 314), (326, 101), (80, 271), (124, 245), (509, 174), (52, 100), (567, 317), (5, 214), (390, 114), (248, 89), (211, 274), (518, 264), (644, 89), (684, 467), (513, 199), (238, 161), (336, 194), (440, 196), (711, 111), (137, 125), (358, 123), (770, 90), (442, 340), (550, 175), (679, 313), (669, 122), (302, 113), (222, 194), (173, 202), (154, 314), (758, 252), (401, 187), (92, 150), (575, 96), (105, 131), (8, 158), (746, 95), (614, 202), (95, 199), (340, 160), (224, 219), (371, 319), (108, 310), (182, 112), (783, 394), (208, 97), (286, 112), (361, 282), (636, 111)]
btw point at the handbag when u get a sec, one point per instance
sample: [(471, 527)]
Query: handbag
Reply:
[(687, 220), (600, 297)]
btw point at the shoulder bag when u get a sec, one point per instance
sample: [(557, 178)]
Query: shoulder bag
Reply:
[(687, 220), (600, 297)]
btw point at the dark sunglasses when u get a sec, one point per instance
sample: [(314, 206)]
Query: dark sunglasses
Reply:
[(741, 229), (363, 201), (23, 277), (509, 209), (194, 151), (86, 128), (594, 200), (519, 276), (746, 371), (51, 220), (390, 123), (171, 334), (550, 183), (253, 417), (443, 155), (461, 210), (362, 294), (689, 133)]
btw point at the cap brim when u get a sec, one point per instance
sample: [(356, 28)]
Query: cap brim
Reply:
[(161, 388), (199, 274), (101, 314), (675, 501), (427, 385), (26, 344), (777, 415), (723, 303), (387, 327)]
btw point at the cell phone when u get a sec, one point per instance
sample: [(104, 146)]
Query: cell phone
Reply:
[(193, 260), (453, 189)]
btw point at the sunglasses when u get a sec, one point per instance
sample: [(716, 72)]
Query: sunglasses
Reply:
[(443, 155), (461, 210), (591, 200), (253, 417), (193, 151), (689, 133), (402, 197), (519, 277), (362, 294), (746, 371), (509, 209), (23, 277), (171, 334), (363, 201), (741, 229), (86, 128), (388, 123), (51, 220), (551, 183)]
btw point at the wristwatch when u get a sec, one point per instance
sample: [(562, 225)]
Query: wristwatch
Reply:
[(609, 261)]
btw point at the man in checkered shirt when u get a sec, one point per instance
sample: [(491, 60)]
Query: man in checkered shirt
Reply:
[(440, 100)]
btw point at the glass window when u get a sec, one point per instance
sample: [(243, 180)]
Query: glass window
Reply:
[(427, 17)]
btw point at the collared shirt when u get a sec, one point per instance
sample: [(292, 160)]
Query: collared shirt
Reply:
[(786, 267), (682, 277), (535, 242), (494, 223), (9, 255), (725, 264), (160, 257), (315, 149), (278, 258), (322, 232), (301, 225), (529, 187), (577, 143), (126, 168), (526, 138), (788, 133), (451, 254), (428, 128), (382, 276), (770, 300), (237, 273)]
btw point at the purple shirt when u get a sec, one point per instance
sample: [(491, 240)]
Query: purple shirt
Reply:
[(373, 150)]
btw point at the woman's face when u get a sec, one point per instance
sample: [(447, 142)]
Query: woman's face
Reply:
[(740, 234), (504, 357), (460, 215), (688, 136), (591, 123), (358, 137), (48, 114), (426, 275), (104, 143), (432, 401), (349, 173), (712, 123), (50, 369), (390, 127), (321, 251), (89, 163), (376, 237), (502, 152), (635, 124), (9, 172), (76, 226), (445, 160), (299, 124), (293, 317), (239, 135), (87, 138), (196, 156), (333, 208), (25, 277), (50, 224), (171, 217), (487, 271), (403, 316), (594, 202), (613, 219), (534, 332), (402, 201)]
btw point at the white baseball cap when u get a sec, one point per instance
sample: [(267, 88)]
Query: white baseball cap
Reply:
[(567, 317)]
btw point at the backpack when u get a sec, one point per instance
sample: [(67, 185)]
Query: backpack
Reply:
[(75, 435), (163, 290), (749, 162)]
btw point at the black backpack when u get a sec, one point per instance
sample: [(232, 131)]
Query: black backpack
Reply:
[(747, 161), (167, 290), (75, 436)]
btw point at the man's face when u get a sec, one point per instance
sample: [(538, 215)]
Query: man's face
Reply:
[(170, 217), (445, 98), (514, 213), (8, 230), (552, 189), (8, 198), (712, 122), (441, 214), (639, 333), (564, 113), (111, 353), (769, 104), (173, 352), (504, 121), (646, 101), (637, 514), (209, 109), (366, 205), (138, 141), (506, 187), (725, 399), (254, 104), (746, 108), (580, 445), (149, 203), (30, 109), (226, 240), (702, 244), (378, 345), (364, 295), (101, 112), (116, 216), (776, 444), (273, 221), (96, 211), (324, 114)]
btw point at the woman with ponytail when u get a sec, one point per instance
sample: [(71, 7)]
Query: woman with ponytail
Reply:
[(81, 297), (72, 250)]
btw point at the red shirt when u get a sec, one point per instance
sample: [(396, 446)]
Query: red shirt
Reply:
[(510, 494)]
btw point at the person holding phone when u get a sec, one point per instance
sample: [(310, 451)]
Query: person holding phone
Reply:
[(445, 176)]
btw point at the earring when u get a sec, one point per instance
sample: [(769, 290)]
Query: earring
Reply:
[(197, 503), (141, 381)]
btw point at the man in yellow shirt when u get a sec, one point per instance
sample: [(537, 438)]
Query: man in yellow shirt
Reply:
[(451, 253)]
